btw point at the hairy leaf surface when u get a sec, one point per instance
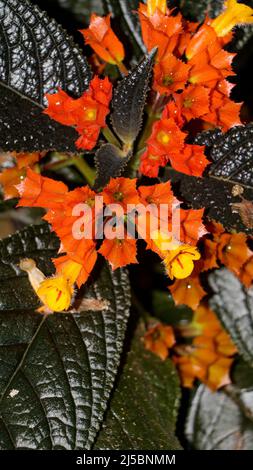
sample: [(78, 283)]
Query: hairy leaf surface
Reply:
[(36, 57), (57, 371)]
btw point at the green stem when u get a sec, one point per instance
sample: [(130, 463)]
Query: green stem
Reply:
[(85, 169), (110, 137)]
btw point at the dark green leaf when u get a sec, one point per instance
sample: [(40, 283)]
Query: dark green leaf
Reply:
[(144, 406), (36, 57), (129, 100), (125, 12), (82, 8), (57, 371), (165, 310), (223, 420), (234, 305), (232, 156), (197, 11), (110, 163)]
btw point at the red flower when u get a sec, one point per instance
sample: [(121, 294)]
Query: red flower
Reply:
[(151, 163), (171, 74), (191, 160), (121, 191), (166, 137), (102, 39), (38, 191), (87, 114), (193, 102), (119, 252)]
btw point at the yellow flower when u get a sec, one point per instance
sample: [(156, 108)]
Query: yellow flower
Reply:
[(235, 13), (156, 4), (56, 292), (178, 259), (179, 262)]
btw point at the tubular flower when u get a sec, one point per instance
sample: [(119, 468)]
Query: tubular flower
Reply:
[(153, 5), (86, 114), (55, 293), (235, 13), (159, 339), (160, 29), (100, 36), (187, 291), (178, 259), (165, 136)]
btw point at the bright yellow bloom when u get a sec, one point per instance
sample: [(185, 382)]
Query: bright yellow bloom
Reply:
[(235, 13), (179, 263), (156, 4), (178, 259), (56, 292)]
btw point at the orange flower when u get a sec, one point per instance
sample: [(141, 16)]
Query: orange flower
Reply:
[(206, 323), (87, 262), (153, 5), (223, 112), (210, 255), (159, 340), (173, 111), (102, 39), (119, 252), (191, 226), (166, 137), (233, 251), (87, 114), (246, 272), (38, 191), (160, 30), (193, 102), (121, 191), (170, 74), (191, 160), (11, 177), (150, 164), (187, 291), (204, 37), (179, 263)]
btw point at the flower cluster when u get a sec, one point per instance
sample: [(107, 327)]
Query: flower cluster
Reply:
[(86, 114), (80, 251), (191, 70), (207, 357), (210, 355), (231, 250)]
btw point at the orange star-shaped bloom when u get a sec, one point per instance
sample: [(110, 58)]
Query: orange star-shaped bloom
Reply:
[(193, 102), (121, 191), (119, 252), (187, 291), (170, 74), (100, 36), (191, 160), (233, 251), (166, 137), (159, 339)]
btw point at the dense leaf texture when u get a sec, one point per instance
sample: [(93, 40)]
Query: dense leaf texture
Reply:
[(56, 371), (110, 163), (143, 409), (129, 100), (234, 305), (232, 157), (36, 57), (198, 10), (223, 420), (125, 13)]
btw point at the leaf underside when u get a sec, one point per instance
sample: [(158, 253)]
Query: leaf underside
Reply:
[(110, 163), (57, 371), (143, 408), (234, 305), (223, 420), (232, 157), (129, 100), (36, 57)]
